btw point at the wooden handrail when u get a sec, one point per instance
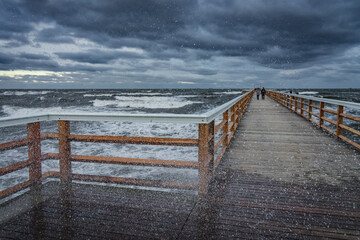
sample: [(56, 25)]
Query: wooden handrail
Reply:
[(14, 144), (357, 119), (46, 136), (134, 140), (14, 189), (209, 152), (350, 129), (135, 161), (14, 167), (220, 126), (340, 115)]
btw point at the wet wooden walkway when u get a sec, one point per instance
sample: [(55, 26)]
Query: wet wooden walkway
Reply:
[(280, 179)]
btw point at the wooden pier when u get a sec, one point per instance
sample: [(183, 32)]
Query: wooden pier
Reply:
[(280, 178)]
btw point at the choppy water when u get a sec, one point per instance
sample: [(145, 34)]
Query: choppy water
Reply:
[(15, 103)]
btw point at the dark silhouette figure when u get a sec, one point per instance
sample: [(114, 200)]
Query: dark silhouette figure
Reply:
[(257, 93), (263, 92)]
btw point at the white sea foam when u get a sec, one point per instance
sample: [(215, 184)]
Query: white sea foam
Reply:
[(14, 111), (227, 92), (144, 102), (308, 93), (21, 93), (145, 94), (99, 95)]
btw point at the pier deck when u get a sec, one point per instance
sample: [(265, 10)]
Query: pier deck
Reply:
[(280, 178)]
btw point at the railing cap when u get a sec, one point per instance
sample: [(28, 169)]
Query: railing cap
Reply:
[(170, 118), (325, 100)]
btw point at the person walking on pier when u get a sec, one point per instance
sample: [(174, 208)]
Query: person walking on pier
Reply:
[(263, 92), (257, 90)]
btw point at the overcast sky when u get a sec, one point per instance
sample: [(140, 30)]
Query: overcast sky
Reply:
[(179, 44)]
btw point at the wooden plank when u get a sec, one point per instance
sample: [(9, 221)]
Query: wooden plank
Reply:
[(231, 114), (135, 140), (219, 157), (14, 167), (205, 164), (64, 151), (34, 152), (47, 156), (225, 141), (316, 115), (305, 110), (50, 174), (357, 119), (14, 189), (134, 181), (350, 129), (219, 143), (231, 126), (330, 111), (349, 141), (45, 136), (314, 106), (220, 126), (230, 136), (135, 161), (14, 144), (329, 130), (329, 120), (321, 120), (313, 121), (310, 109), (339, 120)]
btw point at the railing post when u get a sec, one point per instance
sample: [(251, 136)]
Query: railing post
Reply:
[(321, 120), (309, 109), (232, 120), (64, 151), (238, 111), (206, 155), (296, 104), (289, 102), (225, 130), (34, 153), (302, 107), (339, 121)]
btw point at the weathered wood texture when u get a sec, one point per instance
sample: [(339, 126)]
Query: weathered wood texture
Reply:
[(275, 182), (323, 121)]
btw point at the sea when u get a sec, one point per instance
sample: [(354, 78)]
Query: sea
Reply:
[(20, 102)]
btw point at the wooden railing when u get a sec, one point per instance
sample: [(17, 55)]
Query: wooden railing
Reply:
[(210, 151), (315, 110)]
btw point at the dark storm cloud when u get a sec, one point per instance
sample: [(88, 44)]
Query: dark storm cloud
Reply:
[(259, 34), (34, 56), (152, 19), (5, 59), (273, 33), (27, 61), (15, 22), (96, 56), (55, 35)]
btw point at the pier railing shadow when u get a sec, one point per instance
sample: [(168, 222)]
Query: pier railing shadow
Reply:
[(327, 114), (210, 149)]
